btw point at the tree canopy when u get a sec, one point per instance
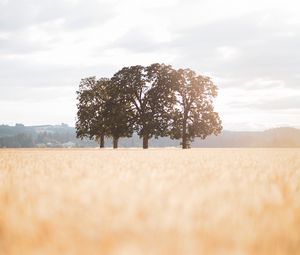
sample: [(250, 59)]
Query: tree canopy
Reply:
[(153, 101), (148, 92), (194, 114), (92, 98)]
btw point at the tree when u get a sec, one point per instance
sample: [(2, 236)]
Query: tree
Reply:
[(101, 112), (92, 97), (118, 116), (148, 91), (154, 101), (193, 115)]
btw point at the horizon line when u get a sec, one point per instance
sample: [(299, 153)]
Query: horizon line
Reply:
[(227, 130)]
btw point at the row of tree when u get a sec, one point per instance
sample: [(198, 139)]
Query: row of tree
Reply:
[(153, 101)]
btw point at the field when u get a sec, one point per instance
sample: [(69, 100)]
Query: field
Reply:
[(150, 202)]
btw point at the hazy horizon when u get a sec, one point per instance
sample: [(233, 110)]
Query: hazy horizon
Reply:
[(249, 48), (73, 126)]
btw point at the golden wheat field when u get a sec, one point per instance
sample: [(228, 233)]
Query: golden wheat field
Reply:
[(150, 202)]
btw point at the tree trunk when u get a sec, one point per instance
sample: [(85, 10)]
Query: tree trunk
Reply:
[(145, 141), (102, 141), (184, 135), (115, 142)]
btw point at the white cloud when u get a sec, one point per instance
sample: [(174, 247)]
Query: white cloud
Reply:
[(250, 48), (228, 53)]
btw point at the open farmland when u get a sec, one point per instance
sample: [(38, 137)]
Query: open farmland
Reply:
[(157, 201)]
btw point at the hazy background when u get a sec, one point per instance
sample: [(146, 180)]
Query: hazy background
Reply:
[(250, 48)]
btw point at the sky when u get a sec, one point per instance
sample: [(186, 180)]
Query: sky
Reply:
[(251, 50)]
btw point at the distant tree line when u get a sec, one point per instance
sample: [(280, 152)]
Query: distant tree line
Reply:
[(153, 101), (20, 136), (31, 140), (21, 140)]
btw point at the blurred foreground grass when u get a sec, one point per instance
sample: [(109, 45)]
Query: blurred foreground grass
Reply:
[(157, 201)]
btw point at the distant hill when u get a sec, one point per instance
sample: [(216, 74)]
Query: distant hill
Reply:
[(277, 137), (20, 136)]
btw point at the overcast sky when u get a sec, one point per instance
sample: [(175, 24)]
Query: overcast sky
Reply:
[(251, 49)]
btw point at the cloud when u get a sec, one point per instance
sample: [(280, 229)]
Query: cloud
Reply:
[(17, 15), (23, 94), (38, 113), (19, 44), (137, 41), (251, 51), (20, 72), (283, 103), (31, 26), (263, 99), (242, 48)]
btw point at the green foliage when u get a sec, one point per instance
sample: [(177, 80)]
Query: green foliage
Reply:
[(148, 91), (193, 114), (117, 115), (100, 111), (91, 98), (153, 101)]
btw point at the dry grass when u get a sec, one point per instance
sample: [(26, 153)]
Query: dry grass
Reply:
[(160, 201)]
